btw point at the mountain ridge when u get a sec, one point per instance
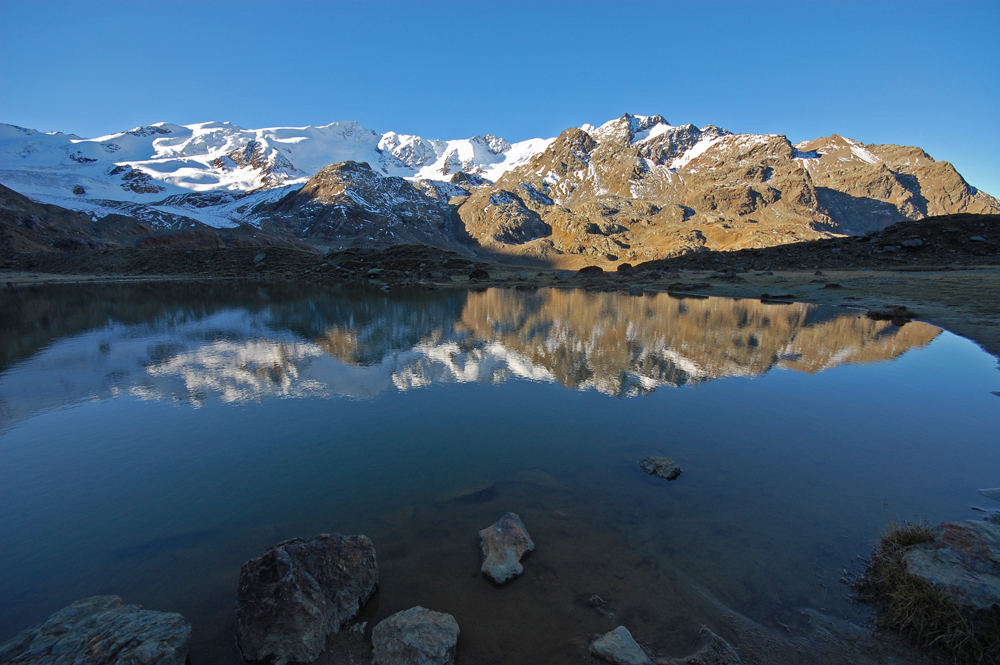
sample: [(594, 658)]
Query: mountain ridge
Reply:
[(634, 188)]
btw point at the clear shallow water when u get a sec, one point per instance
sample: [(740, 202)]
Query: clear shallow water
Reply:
[(155, 437)]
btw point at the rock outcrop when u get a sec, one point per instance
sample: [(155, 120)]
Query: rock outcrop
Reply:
[(297, 593), (101, 630), (503, 545), (350, 204), (662, 467), (619, 648), (416, 636)]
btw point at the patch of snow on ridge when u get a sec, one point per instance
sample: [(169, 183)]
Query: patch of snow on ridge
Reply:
[(863, 154), (697, 150), (652, 132)]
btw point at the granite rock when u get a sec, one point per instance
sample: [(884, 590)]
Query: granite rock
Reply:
[(620, 648), (416, 636), (503, 545), (101, 630)]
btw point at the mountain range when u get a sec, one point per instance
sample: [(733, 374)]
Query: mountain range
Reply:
[(632, 189)]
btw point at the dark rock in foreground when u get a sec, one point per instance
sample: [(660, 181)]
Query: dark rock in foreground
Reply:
[(416, 636), (503, 545), (663, 467), (297, 593), (101, 630), (620, 648)]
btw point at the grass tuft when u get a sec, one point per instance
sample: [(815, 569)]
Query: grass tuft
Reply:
[(912, 606)]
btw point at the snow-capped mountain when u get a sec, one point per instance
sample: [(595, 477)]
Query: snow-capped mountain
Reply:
[(635, 188), (160, 163)]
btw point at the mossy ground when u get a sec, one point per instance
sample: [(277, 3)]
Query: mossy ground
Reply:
[(912, 606)]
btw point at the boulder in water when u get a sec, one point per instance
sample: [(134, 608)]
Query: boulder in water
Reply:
[(297, 593), (620, 648), (416, 636), (503, 545)]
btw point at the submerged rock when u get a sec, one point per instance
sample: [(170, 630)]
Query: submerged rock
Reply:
[(663, 467), (620, 648), (297, 593), (416, 636), (102, 630), (962, 563), (716, 651), (476, 494), (503, 545)]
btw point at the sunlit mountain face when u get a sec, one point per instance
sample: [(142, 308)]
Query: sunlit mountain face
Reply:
[(239, 344)]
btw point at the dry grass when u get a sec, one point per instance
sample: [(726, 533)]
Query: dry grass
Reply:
[(912, 606)]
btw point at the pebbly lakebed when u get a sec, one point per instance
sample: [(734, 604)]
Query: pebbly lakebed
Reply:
[(154, 437)]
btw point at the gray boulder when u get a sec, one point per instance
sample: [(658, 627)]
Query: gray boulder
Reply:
[(620, 648), (503, 545), (416, 636), (662, 467), (101, 630), (962, 562), (297, 593)]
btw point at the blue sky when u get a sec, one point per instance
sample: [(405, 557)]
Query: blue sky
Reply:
[(916, 73)]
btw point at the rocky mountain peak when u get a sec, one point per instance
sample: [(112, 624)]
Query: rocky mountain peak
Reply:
[(494, 144), (630, 128)]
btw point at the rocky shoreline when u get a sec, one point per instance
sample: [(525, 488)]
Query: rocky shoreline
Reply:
[(307, 600)]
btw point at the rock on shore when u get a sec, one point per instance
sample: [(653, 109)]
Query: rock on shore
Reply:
[(503, 545), (101, 630), (416, 636), (297, 593)]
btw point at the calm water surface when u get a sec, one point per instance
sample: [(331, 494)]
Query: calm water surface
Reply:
[(155, 437)]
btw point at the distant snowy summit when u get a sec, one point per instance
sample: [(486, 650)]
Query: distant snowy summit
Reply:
[(148, 163)]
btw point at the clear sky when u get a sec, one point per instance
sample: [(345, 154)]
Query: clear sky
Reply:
[(915, 73)]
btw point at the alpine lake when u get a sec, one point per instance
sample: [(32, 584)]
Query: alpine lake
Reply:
[(156, 436)]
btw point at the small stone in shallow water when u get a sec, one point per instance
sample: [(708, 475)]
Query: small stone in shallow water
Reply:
[(620, 648), (503, 545), (992, 493), (663, 467), (416, 636)]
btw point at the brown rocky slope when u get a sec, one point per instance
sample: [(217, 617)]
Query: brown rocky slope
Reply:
[(636, 189)]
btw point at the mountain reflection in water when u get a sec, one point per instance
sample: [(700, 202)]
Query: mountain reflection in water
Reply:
[(240, 343)]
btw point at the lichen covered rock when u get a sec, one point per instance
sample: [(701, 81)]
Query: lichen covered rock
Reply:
[(101, 630)]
